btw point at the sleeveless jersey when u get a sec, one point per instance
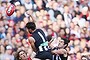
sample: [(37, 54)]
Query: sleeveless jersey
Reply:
[(41, 42)]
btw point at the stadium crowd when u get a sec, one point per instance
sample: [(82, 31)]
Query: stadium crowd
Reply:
[(57, 18)]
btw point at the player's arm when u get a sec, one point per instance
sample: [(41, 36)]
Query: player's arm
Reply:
[(62, 51), (32, 41), (59, 51), (51, 43)]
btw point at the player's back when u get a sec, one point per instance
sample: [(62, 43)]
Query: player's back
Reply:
[(41, 43)]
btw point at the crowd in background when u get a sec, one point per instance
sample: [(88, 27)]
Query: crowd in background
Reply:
[(57, 18)]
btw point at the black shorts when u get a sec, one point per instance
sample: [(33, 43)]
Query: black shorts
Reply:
[(44, 55)]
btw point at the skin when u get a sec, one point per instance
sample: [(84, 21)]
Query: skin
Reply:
[(22, 55), (31, 40)]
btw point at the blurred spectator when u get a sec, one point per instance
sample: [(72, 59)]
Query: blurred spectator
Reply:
[(8, 53), (18, 17), (28, 4), (67, 15), (78, 19), (2, 50), (72, 56), (2, 33), (84, 58)]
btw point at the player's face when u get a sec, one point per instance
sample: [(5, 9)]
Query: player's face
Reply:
[(29, 30), (22, 55), (61, 43)]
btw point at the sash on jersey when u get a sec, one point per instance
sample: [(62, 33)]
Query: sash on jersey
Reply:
[(44, 44)]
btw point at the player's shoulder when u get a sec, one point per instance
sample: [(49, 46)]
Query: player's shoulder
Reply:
[(39, 30), (31, 39)]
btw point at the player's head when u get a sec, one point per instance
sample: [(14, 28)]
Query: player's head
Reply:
[(31, 26), (21, 55), (66, 41), (63, 42)]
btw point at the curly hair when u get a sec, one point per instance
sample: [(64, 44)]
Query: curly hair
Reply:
[(17, 57)]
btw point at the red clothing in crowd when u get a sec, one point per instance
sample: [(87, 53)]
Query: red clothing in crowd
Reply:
[(29, 58)]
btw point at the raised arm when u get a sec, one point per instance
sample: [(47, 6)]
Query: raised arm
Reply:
[(32, 41)]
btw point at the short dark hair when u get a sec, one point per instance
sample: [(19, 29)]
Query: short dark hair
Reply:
[(66, 41), (31, 25)]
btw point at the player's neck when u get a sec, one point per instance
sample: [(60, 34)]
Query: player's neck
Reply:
[(33, 30)]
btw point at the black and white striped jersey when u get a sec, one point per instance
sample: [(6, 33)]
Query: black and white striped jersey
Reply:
[(41, 42)]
